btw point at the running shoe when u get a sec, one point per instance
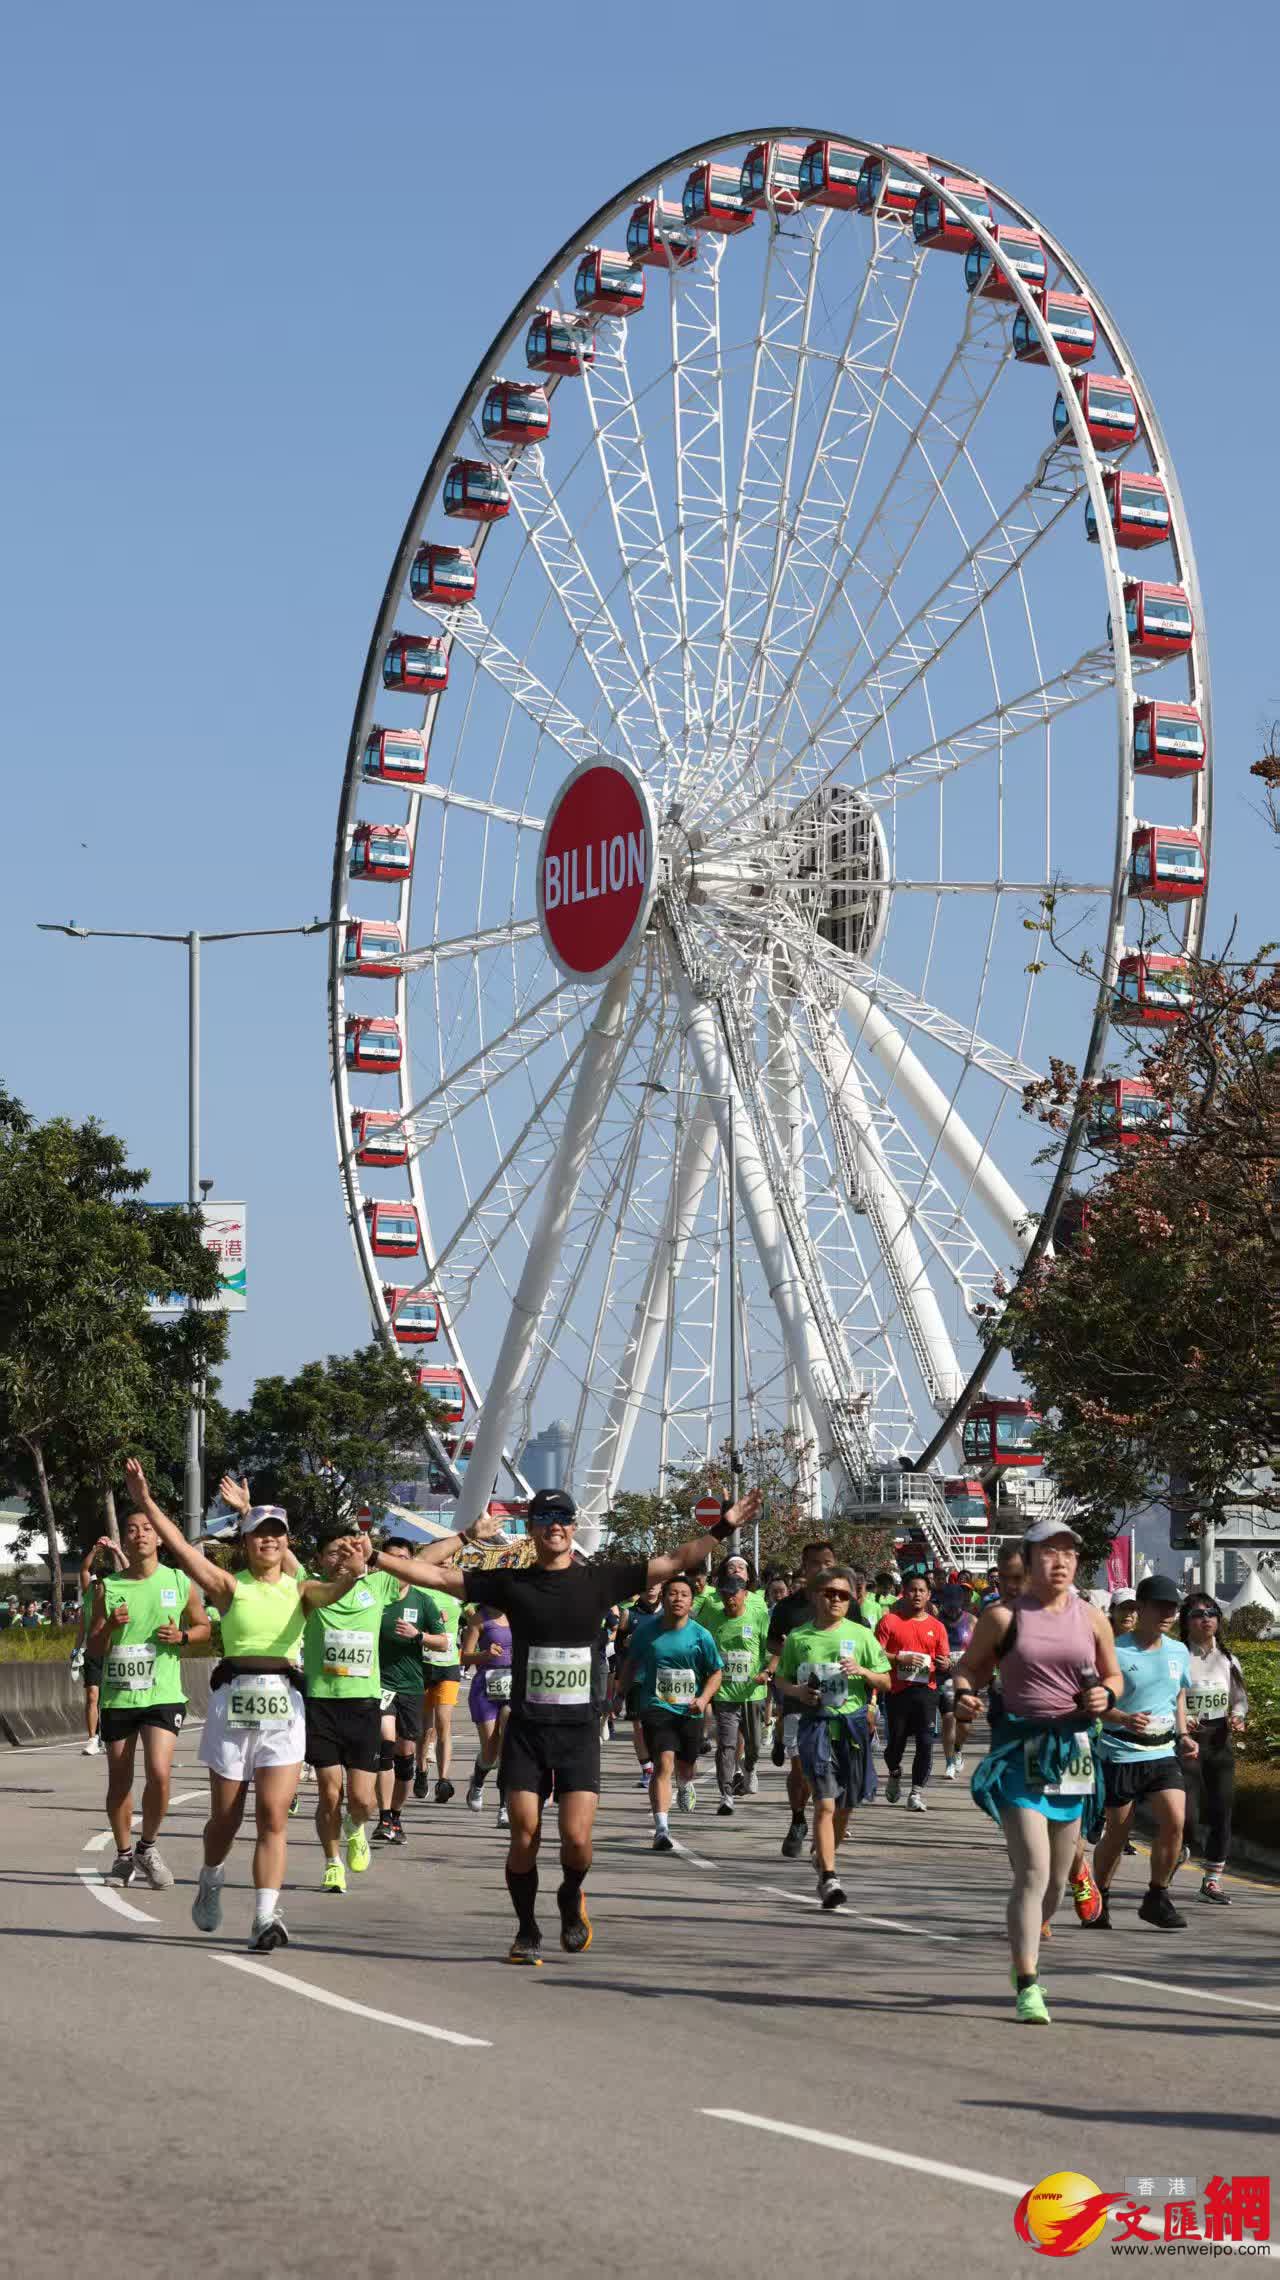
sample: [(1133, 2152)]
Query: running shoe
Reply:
[(206, 1908), (643, 1778), (724, 1810), (268, 1932), (686, 1796), (1184, 1856), (662, 1842), (739, 1785), (382, 1834), (504, 1818), (293, 1808), (958, 1761), (1158, 1909), (916, 1802), (152, 1870), (526, 1948), (1102, 1921), (420, 1786), (753, 1783), (949, 1770), (893, 1789), (1211, 1889), (358, 1855), (444, 1791), (1131, 1850), (575, 1925), (474, 1799), (397, 1836), (123, 1870), (831, 1892), (794, 1840), (335, 1877), (1086, 1899), (93, 1747), (1031, 2008)]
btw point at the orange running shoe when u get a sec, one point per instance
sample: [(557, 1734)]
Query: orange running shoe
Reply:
[(1086, 1898)]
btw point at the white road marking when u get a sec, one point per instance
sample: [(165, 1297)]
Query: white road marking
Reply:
[(93, 1883), (1201, 1994), (343, 2003), (98, 1843), (103, 1839), (696, 1858), (868, 2152), (882, 1923)]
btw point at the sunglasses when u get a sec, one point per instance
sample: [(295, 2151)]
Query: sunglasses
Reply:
[(829, 1593), (1206, 1614)]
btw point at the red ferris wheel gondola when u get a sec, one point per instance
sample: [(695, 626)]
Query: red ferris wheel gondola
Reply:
[(373, 948), (1071, 326), (373, 1044), (379, 1138), (1110, 409), (713, 200), (515, 411), (938, 219), (394, 756), (1125, 1112), (771, 176), (446, 1387), (1152, 991), (1168, 739), (475, 490), (558, 343), (414, 1315), (380, 851), (443, 574), (887, 190), (416, 664), (394, 1232), (658, 238), (608, 284), (1000, 1433), (1024, 252), (1158, 619), (1138, 506), (1166, 864)]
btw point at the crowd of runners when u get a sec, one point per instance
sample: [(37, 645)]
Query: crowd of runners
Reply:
[(346, 1674)]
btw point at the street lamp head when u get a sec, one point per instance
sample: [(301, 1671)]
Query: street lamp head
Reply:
[(80, 933), (205, 1187)]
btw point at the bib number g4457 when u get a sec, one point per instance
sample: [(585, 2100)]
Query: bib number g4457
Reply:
[(348, 1654)]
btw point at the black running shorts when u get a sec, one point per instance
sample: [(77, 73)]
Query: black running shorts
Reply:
[(1129, 1781), (536, 1756), (117, 1725), (345, 1731)]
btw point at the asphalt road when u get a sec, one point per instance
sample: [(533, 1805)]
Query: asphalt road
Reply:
[(728, 2082)]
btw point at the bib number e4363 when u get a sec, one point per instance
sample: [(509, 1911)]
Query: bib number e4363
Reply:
[(558, 1678), (259, 1702)]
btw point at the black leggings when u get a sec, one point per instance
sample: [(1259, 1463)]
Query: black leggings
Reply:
[(1210, 1794), (910, 1717)]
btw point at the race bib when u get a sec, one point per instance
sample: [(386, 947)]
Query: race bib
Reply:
[(913, 1668), (739, 1666), (262, 1701), (497, 1685), (1077, 1781), (131, 1667), (1206, 1702), (387, 1699), (348, 1654), (676, 1684), (558, 1678), (831, 1682)]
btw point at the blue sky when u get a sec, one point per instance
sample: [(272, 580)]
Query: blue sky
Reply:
[(255, 254)]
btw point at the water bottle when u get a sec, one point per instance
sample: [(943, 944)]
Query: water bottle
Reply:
[(1088, 1679)]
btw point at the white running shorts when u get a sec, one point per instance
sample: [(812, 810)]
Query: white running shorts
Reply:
[(236, 1752)]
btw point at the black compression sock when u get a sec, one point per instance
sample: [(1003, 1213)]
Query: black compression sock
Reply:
[(480, 1774), (145, 1844), (567, 1896), (1027, 1979), (522, 1884)]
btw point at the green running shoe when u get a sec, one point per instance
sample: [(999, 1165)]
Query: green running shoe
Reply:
[(335, 1877), (1032, 2009), (358, 1853)]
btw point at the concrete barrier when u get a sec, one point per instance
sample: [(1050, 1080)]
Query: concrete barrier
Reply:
[(42, 1702)]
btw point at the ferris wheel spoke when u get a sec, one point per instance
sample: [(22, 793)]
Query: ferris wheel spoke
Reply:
[(583, 606), (808, 539), (701, 532), (549, 714), (539, 1025), (842, 971), (469, 945), (637, 527), (900, 514), (445, 796)]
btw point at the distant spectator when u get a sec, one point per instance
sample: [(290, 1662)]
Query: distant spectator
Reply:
[(10, 1612), (31, 1616)]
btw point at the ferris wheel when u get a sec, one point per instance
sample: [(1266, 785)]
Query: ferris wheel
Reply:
[(790, 619)]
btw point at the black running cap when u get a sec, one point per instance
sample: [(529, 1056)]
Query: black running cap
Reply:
[(551, 1504), (330, 1531), (1161, 1588)]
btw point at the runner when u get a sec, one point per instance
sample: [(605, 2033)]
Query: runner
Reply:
[(486, 1652), (1144, 1747), (1123, 1614), (787, 1615), (256, 1725), (142, 1618), (553, 1733), (411, 1623), (1217, 1706), (957, 1618), (443, 1678), (830, 1666), (678, 1670), (1042, 1773), (85, 1666), (916, 1645), (739, 1632), (644, 1612), (344, 1695)]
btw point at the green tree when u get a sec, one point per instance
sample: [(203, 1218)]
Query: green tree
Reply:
[(86, 1372), (335, 1437), (646, 1521)]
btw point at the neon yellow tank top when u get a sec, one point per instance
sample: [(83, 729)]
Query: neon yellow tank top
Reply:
[(264, 1618)]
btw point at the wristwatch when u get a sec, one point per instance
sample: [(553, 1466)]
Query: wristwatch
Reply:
[(184, 1637)]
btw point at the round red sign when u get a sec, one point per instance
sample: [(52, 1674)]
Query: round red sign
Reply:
[(707, 1511), (596, 869)]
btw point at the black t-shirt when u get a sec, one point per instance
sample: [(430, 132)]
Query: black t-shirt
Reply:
[(787, 1616), (555, 1616)]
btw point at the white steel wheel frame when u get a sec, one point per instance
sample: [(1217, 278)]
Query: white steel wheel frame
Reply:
[(840, 1026)]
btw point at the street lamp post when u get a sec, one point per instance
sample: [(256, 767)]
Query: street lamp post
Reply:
[(197, 1188)]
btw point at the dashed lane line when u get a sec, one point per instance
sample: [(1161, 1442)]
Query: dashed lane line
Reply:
[(1200, 1994), (359, 2010)]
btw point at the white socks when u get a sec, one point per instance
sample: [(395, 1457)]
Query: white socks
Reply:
[(266, 1902)]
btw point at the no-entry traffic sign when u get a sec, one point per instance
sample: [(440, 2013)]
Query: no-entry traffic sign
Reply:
[(596, 869), (707, 1511)]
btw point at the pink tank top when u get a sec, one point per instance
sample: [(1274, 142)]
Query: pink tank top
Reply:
[(1040, 1675)]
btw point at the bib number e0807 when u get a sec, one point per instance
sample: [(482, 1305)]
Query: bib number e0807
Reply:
[(1076, 1781), (558, 1678), (348, 1654), (131, 1667), (264, 1701)]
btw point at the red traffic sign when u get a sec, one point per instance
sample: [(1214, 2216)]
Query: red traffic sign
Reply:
[(707, 1511), (596, 869)]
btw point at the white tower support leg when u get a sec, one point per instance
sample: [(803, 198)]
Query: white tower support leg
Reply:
[(590, 1092), (649, 1322), (786, 1099), (799, 1332), (922, 1316), (936, 1113)]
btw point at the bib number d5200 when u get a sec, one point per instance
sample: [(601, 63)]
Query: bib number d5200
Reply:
[(558, 1678)]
